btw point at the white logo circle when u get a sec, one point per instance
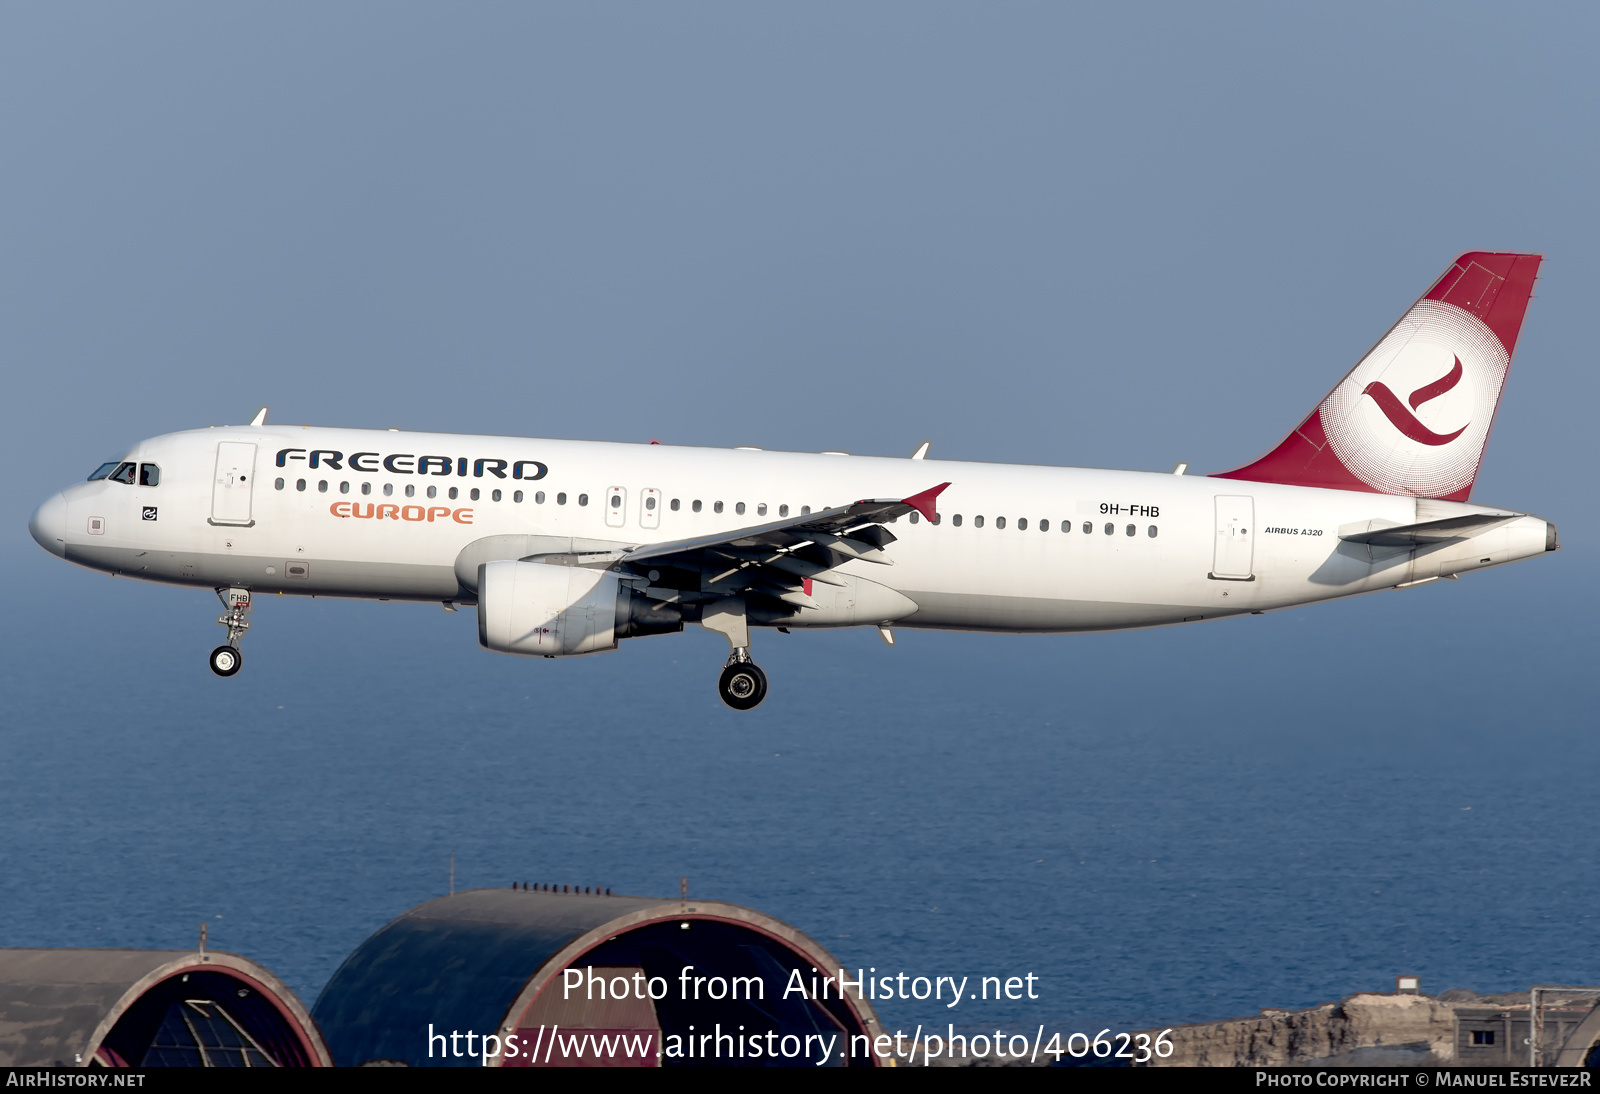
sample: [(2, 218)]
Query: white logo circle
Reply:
[(1414, 415)]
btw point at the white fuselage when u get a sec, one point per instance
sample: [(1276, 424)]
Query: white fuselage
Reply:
[(1143, 549)]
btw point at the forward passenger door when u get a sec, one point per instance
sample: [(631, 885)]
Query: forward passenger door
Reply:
[(233, 483)]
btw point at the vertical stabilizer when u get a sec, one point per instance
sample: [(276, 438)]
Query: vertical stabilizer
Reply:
[(1414, 415)]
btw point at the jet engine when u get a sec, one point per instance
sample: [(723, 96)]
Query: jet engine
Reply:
[(540, 610)]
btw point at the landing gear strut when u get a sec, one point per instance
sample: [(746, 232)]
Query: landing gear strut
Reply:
[(226, 659), (742, 684)]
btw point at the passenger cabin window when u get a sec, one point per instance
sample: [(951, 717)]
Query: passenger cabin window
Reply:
[(411, 491), (1152, 531), (956, 520), (149, 475), (783, 510), (761, 509), (300, 484), (717, 508), (474, 495), (454, 492), (1132, 530), (433, 491), (739, 508), (103, 470), (278, 484), (1044, 526), (675, 505), (977, 522), (1088, 528), (914, 518), (388, 489), (494, 495), (1022, 524), (322, 486), (366, 488), (538, 497), (517, 497), (1111, 529), (696, 505), (561, 499), (344, 488), (583, 499)]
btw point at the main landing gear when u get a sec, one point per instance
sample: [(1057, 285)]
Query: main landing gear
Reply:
[(742, 684), (226, 659)]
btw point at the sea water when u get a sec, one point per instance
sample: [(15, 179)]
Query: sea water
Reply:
[(1158, 827)]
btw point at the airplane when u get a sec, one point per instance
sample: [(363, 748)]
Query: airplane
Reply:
[(564, 548)]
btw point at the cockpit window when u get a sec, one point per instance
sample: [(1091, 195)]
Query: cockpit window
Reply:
[(103, 470), (149, 475), (124, 473)]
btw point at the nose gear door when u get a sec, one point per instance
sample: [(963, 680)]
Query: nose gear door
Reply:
[(234, 481)]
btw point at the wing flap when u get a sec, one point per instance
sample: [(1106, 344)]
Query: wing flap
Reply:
[(777, 560)]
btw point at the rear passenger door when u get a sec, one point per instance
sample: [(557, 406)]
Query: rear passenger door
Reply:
[(1234, 555)]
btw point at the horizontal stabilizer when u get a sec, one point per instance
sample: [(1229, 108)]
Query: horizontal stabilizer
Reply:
[(1430, 531)]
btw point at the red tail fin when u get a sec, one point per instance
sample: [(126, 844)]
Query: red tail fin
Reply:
[(1413, 417)]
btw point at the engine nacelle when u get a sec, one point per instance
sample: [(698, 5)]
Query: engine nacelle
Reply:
[(539, 610)]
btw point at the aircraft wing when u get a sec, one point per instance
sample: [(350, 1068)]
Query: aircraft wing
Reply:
[(778, 560)]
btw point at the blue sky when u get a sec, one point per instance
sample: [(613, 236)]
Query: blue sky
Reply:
[(1108, 235), (1042, 233)]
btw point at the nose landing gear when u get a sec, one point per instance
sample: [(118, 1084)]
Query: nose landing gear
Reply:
[(226, 659)]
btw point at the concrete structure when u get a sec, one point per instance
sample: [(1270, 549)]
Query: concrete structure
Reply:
[(149, 1008), (652, 983), (1581, 1046), (1373, 1029)]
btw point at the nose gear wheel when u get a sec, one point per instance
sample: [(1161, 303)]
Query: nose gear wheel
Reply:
[(225, 660)]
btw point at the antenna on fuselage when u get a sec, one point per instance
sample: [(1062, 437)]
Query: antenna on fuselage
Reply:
[(260, 418)]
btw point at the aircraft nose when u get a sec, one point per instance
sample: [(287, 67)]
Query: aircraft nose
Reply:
[(48, 526)]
